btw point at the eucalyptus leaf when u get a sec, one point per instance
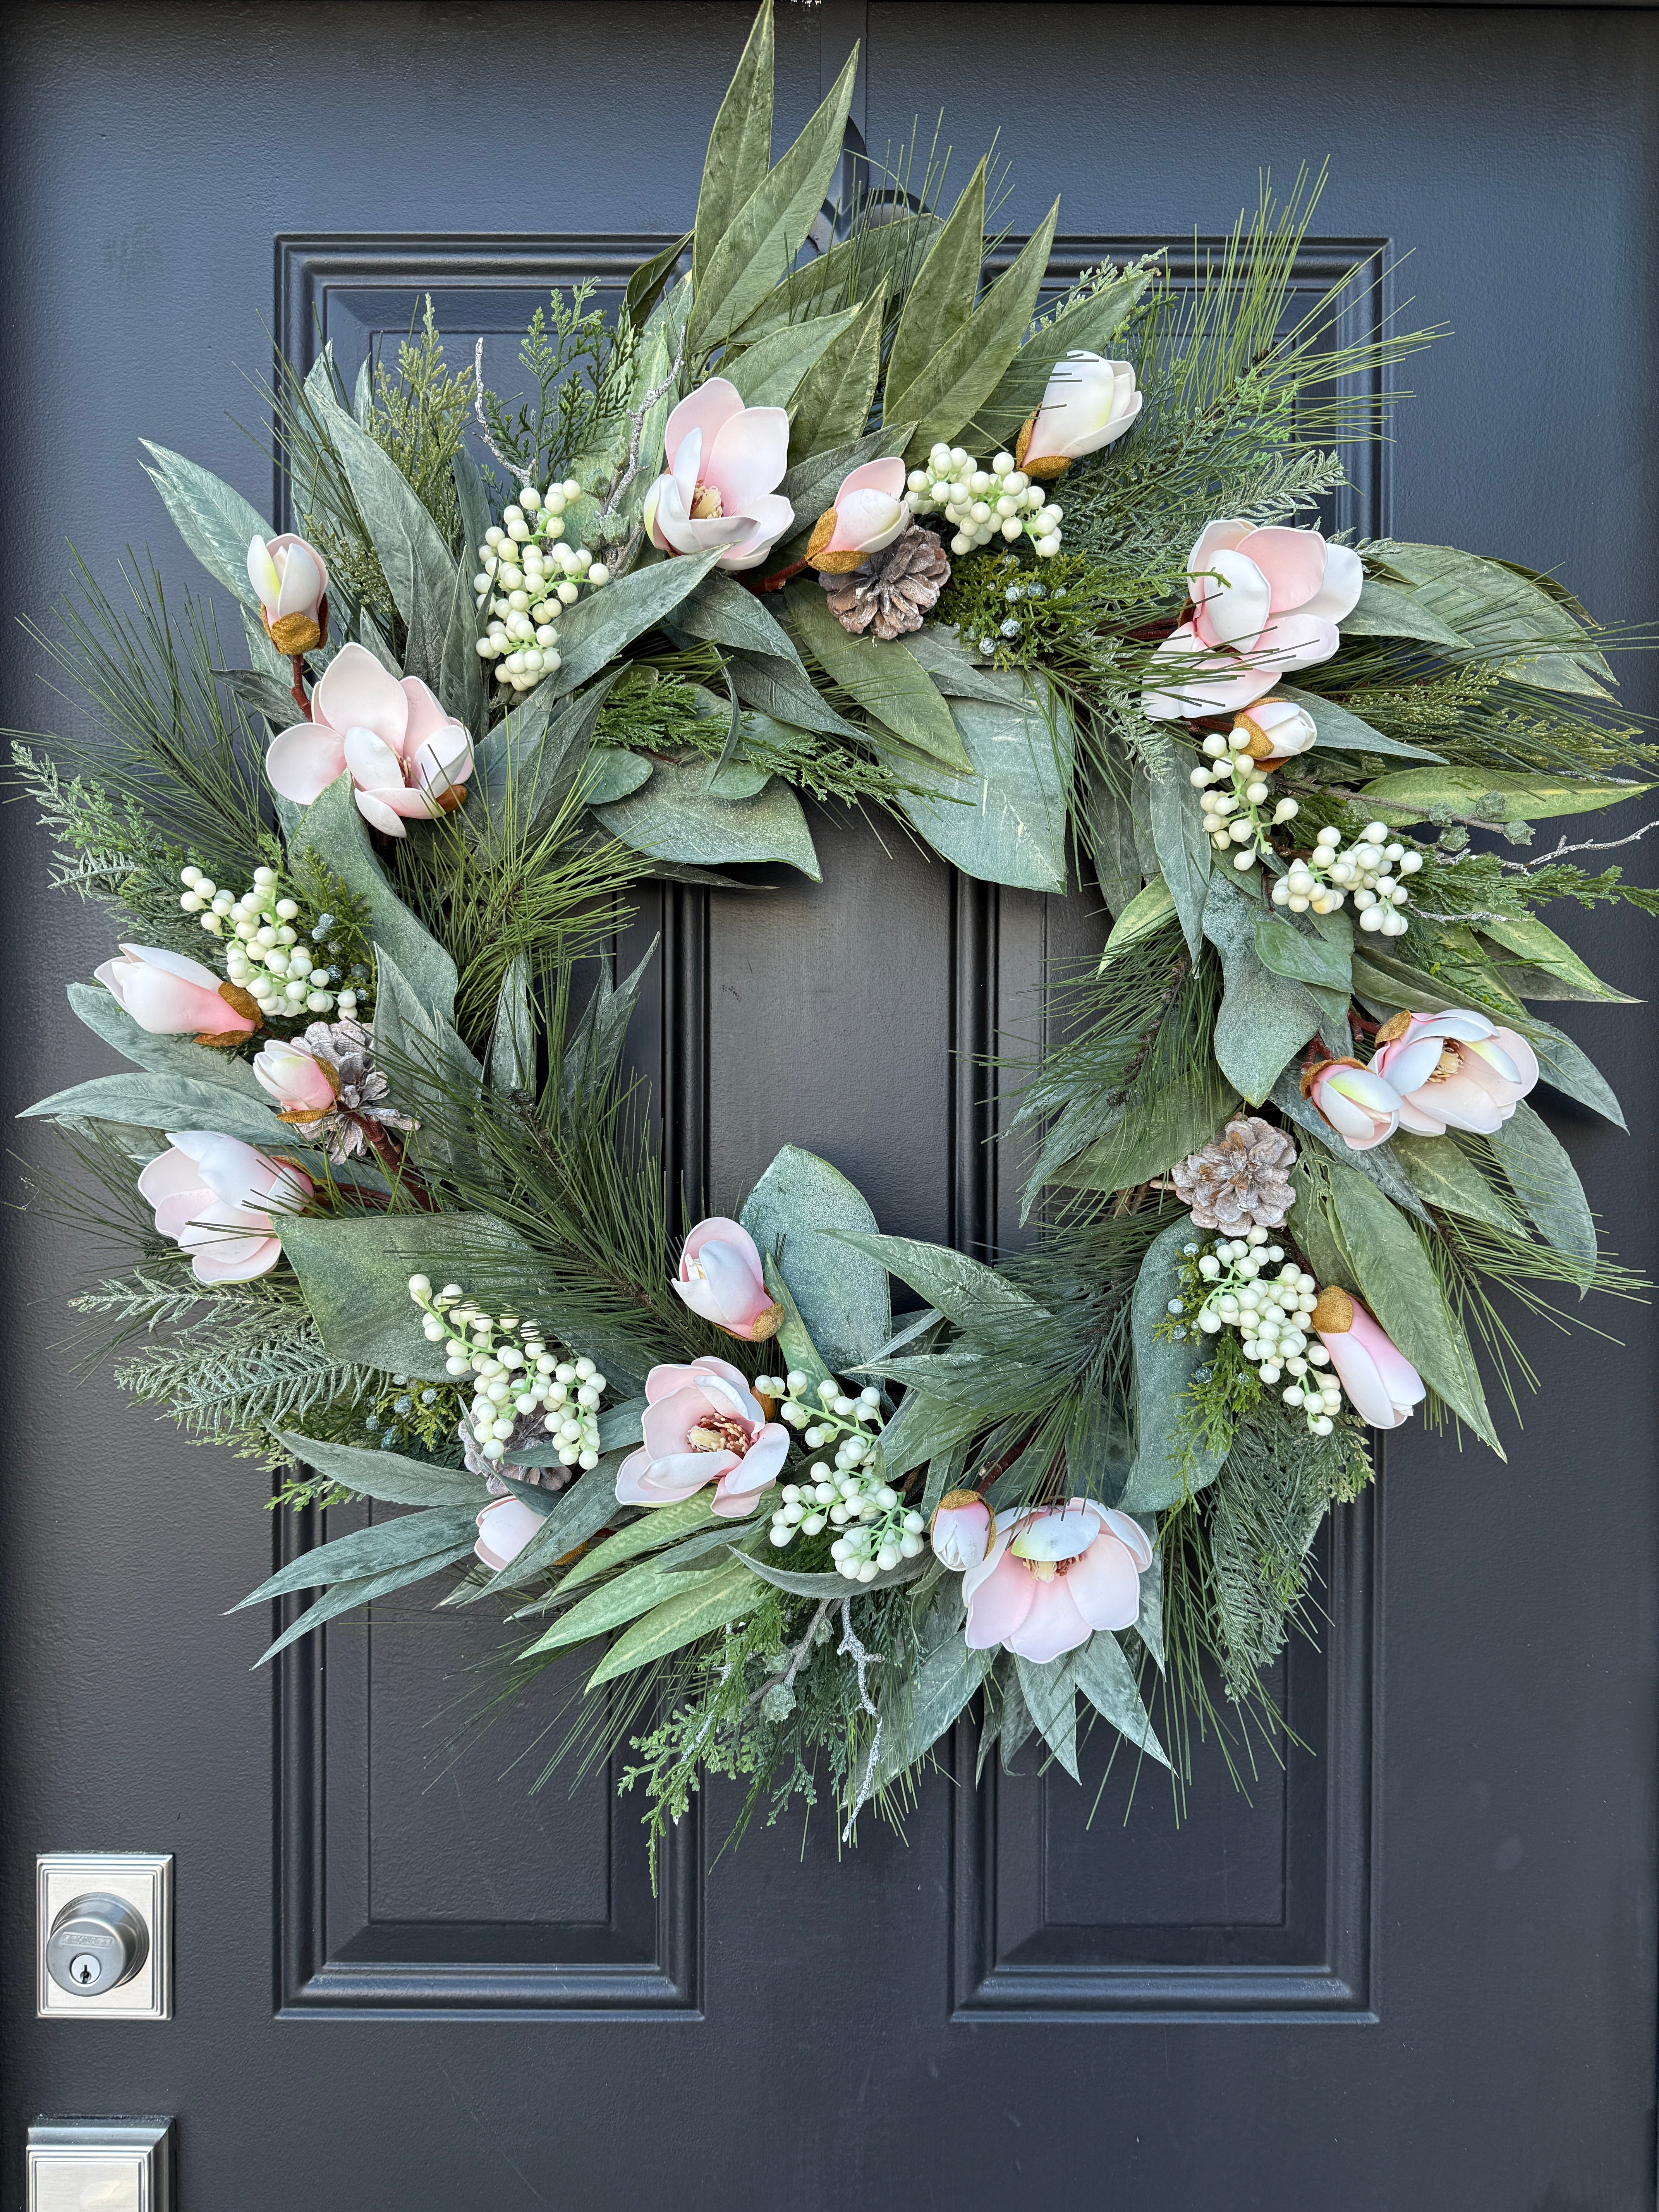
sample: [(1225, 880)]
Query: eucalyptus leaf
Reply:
[(943, 656), (647, 284), (346, 1596), (170, 1056), (387, 1476), (215, 522), (715, 1600), (1050, 1695), (1184, 852), (831, 1585), (1490, 795), (354, 1274), (574, 1517), (1173, 1460), (836, 395), (721, 609), (739, 144), (1550, 957), (1305, 956), (371, 1551), (163, 1101), (1008, 823), (1107, 1680), (593, 632), (512, 1034), (965, 1290), (804, 1211), (1545, 1181), (941, 298), (418, 566), (1572, 1072), (884, 676), (593, 1050), (1443, 1176), (1494, 605), (612, 773), (675, 818), (1342, 731), (929, 1704), (337, 834), (1388, 610), (633, 1592), (767, 372), (1265, 1019), (780, 688)]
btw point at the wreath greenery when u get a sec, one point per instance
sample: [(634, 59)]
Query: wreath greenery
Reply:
[(866, 527)]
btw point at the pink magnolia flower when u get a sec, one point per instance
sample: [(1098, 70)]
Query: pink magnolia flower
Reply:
[(299, 1082), (292, 581), (506, 1525), (721, 1279), (1358, 1104), (702, 1424), (961, 1534), (1089, 402), (1381, 1384), (215, 1197), (1265, 602), (406, 756), (170, 995), (725, 464), (1454, 1070), (870, 511), (1052, 1576)]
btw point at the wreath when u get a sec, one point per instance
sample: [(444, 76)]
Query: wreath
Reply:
[(1036, 581)]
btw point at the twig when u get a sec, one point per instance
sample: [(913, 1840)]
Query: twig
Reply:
[(785, 1679), (637, 431), (861, 1659), (513, 469), (1588, 845)]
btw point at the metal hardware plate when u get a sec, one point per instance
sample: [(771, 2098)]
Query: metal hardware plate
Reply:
[(119, 2166), (140, 1880)]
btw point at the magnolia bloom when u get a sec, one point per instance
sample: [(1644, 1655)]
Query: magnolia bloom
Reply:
[(1455, 1070), (170, 995), (292, 581), (215, 1197), (1358, 1104), (725, 464), (302, 1085), (407, 758), (1089, 403), (1381, 1384), (869, 512), (1278, 731), (1265, 602), (721, 1279), (961, 1534), (702, 1424), (505, 1526), (1051, 1577)]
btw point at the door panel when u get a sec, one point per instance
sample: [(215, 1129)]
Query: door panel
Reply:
[(1073, 1988)]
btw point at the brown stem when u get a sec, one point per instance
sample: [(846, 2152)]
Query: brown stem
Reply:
[(778, 578), (299, 691), (390, 1153)]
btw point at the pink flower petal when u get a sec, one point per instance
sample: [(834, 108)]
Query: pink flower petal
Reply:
[(1216, 538), (1105, 1582), (739, 1297), (748, 457), (172, 963), (866, 522), (169, 1174), (706, 411), (1344, 580), (1296, 640), (1129, 1533), (301, 763), (426, 717), (1052, 1625), (1413, 1117), (355, 692), (886, 476), (1293, 561), (764, 521), (236, 1259), (304, 577), (167, 1006), (1400, 1378), (1463, 1104), (999, 1603), (1408, 1063), (668, 1419), (374, 808), (1232, 601), (374, 765), (505, 1527)]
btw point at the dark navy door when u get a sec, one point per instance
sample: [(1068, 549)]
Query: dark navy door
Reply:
[(1414, 1968)]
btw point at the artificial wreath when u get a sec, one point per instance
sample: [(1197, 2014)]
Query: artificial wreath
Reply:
[(1033, 578)]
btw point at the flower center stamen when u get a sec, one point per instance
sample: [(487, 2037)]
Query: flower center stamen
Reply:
[(718, 1432), (706, 504)]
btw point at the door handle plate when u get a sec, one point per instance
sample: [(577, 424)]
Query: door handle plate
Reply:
[(139, 1882), (119, 2166)]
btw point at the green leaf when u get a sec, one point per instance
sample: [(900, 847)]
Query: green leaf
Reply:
[(674, 818), (922, 1429), (1106, 824), (1171, 1461), (1159, 1124), (941, 299), (1265, 1019), (345, 1596), (512, 1034), (722, 610), (354, 1274), (150, 1101), (462, 685), (964, 1290), (634, 1592), (929, 1704), (1008, 826), (836, 395), (387, 1476), (1545, 1180), (781, 688), (418, 565), (1572, 1072), (761, 237), (832, 1585), (740, 145), (1341, 730), (595, 630), (955, 675), (612, 773), (965, 370), (1492, 605), (645, 286), (531, 762), (1386, 610), (170, 1056), (574, 1515), (767, 372), (1144, 916), (216, 523), (1107, 1680), (801, 1210), (886, 679), (716, 1600), (1399, 1286), (1184, 852), (595, 1045), (1378, 1163), (1488, 795), (397, 1543), (1050, 1695), (428, 1064), (1551, 959), (1310, 956), (333, 829), (474, 502), (1443, 1175), (1088, 327), (653, 1531)]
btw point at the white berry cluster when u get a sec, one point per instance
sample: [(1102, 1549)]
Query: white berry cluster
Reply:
[(1271, 1314), (265, 954), (981, 503), (1370, 870), (876, 1530), (515, 1373), (1236, 791), (528, 574)]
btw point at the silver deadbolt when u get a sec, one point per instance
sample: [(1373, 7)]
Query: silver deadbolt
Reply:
[(97, 1942)]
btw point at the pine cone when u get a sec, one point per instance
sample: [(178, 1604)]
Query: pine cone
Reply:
[(891, 592), (1241, 1180)]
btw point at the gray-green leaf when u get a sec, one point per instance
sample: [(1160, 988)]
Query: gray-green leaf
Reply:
[(803, 1209)]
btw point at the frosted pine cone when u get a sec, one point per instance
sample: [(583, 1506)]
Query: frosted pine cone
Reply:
[(360, 1090), (1240, 1181), (891, 592)]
